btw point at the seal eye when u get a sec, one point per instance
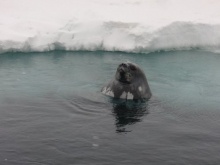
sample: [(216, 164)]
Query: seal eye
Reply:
[(132, 67)]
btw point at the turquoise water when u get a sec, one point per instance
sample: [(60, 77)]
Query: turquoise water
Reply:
[(52, 111)]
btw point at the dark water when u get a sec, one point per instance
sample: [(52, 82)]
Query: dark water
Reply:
[(52, 111)]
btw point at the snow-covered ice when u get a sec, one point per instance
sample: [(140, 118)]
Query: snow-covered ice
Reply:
[(139, 26)]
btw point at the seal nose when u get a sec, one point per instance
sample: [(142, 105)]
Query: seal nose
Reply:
[(124, 65), (121, 70)]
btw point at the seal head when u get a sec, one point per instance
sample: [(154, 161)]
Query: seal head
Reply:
[(129, 82)]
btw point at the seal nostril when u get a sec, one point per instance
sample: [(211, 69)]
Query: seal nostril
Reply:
[(124, 65)]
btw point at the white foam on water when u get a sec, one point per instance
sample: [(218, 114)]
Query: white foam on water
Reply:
[(139, 26)]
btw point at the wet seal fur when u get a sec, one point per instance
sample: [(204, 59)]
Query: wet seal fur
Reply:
[(129, 83)]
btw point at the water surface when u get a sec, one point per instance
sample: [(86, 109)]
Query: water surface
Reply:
[(52, 111)]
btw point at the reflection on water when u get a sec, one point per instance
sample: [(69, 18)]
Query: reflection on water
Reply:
[(128, 112)]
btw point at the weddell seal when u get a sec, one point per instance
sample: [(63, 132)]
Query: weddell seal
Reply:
[(129, 83)]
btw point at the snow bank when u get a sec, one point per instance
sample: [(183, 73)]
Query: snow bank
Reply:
[(139, 26)]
